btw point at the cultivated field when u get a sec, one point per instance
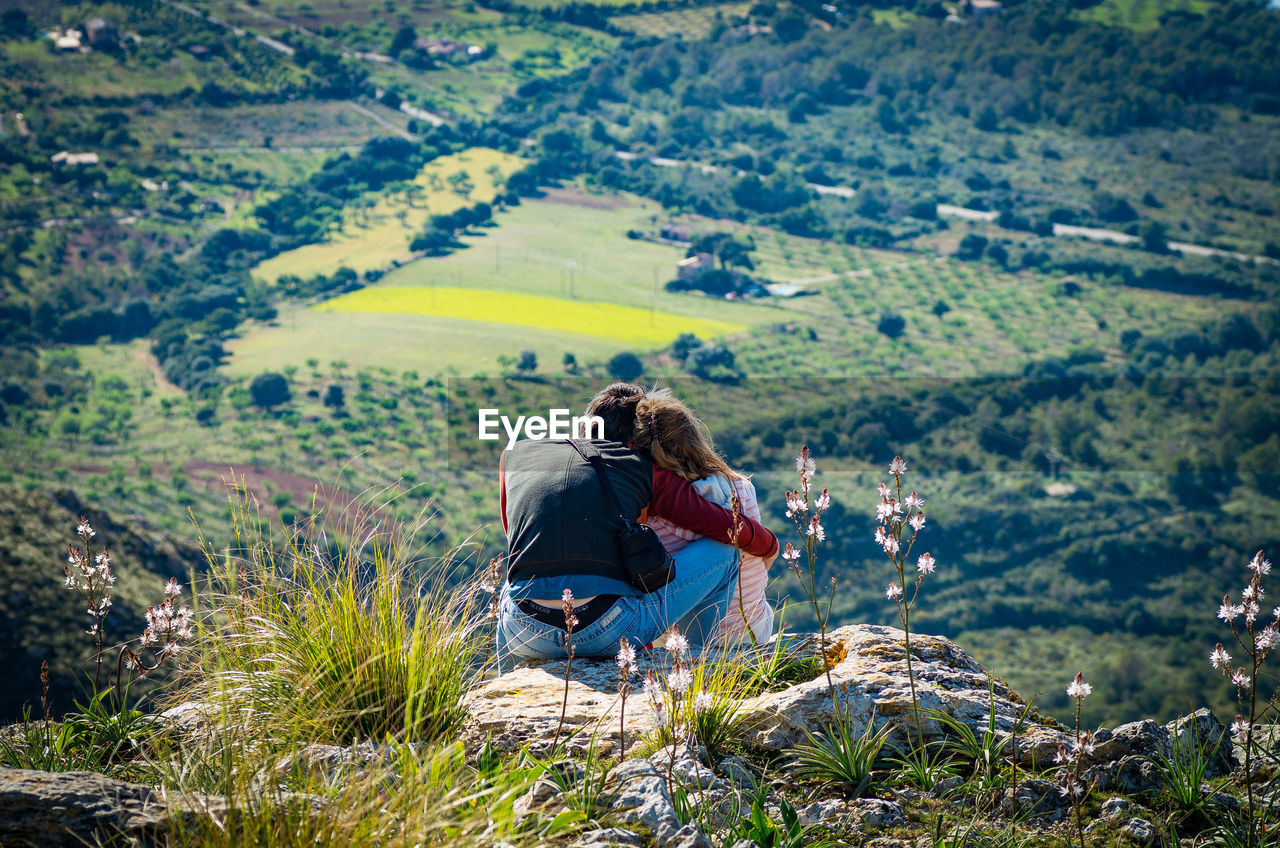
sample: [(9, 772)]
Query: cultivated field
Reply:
[(690, 23), (626, 325), (568, 255), (377, 235)]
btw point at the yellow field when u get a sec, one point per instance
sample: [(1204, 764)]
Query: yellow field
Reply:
[(623, 324), (375, 237)]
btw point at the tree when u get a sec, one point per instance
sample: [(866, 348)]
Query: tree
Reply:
[(684, 344), (528, 362), (570, 363), (335, 397), (891, 324), (971, 247), (1153, 235), (626, 366), (727, 250), (269, 389), (403, 40)]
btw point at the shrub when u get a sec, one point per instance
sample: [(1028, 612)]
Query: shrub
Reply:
[(269, 389), (891, 324), (626, 366)]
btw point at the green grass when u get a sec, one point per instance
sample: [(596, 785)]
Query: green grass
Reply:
[(694, 22), (298, 123), (378, 235), (91, 75), (569, 246), (1140, 15), (894, 18)]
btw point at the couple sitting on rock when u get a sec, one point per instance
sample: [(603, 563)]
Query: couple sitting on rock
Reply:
[(581, 517)]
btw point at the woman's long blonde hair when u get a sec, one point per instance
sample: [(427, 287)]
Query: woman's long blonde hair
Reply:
[(676, 438)]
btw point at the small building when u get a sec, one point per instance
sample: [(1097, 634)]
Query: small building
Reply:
[(441, 47), (688, 269), (979, 8), (65, 158), (66, 42), (102, 34)]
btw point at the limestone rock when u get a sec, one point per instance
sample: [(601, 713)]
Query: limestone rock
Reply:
[(870, 678), (688, 836), (607, 837), (1202, 729), (1040, 801), (522, 706), (73, 809), (641, 797), (1133, 774), (1140, 830), (1137, 738)]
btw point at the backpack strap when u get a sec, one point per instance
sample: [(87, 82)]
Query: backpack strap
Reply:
[(589, 453)]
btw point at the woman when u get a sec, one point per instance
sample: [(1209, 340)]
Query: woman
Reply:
[(677, 441)]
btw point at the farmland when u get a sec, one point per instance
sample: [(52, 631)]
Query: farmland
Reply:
[(694, 22), (1093, 424), (375, 236)]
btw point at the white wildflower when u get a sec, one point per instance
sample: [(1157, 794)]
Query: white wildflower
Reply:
[(1228, 611), (703, 702), (822, 501), (1078, 688), (893, 592), (1259, 565), (815, 529), (677, 645), (790, 553), (805, 465), (898, 467), (1219, 658), (679, 680), (926, 563), (626, 656), (913, 501), (1240, 679)]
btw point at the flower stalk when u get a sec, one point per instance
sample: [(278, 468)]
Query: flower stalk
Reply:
[(899, 522)]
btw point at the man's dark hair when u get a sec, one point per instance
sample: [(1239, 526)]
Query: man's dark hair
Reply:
[(616, 405)]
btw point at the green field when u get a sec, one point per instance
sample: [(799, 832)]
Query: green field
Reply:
[(566, 250), (1140, 15), (373, 237), (894, 18), (690, 23)]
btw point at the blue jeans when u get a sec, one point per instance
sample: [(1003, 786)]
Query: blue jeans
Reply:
[(696, 599)]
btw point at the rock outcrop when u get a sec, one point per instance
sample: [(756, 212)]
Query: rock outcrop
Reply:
[(74, 809), (522, 707)]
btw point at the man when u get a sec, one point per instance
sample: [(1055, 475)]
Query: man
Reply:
[(562, 535)]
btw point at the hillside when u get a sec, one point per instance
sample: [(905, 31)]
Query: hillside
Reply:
[(41, 620), (1032, 250)]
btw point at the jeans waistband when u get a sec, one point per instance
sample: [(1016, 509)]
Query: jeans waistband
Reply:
[(587, 614)]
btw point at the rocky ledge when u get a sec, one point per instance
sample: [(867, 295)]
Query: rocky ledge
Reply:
[(868, 672), (523, 707)]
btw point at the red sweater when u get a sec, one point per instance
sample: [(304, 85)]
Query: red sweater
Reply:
[(675, 500)]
